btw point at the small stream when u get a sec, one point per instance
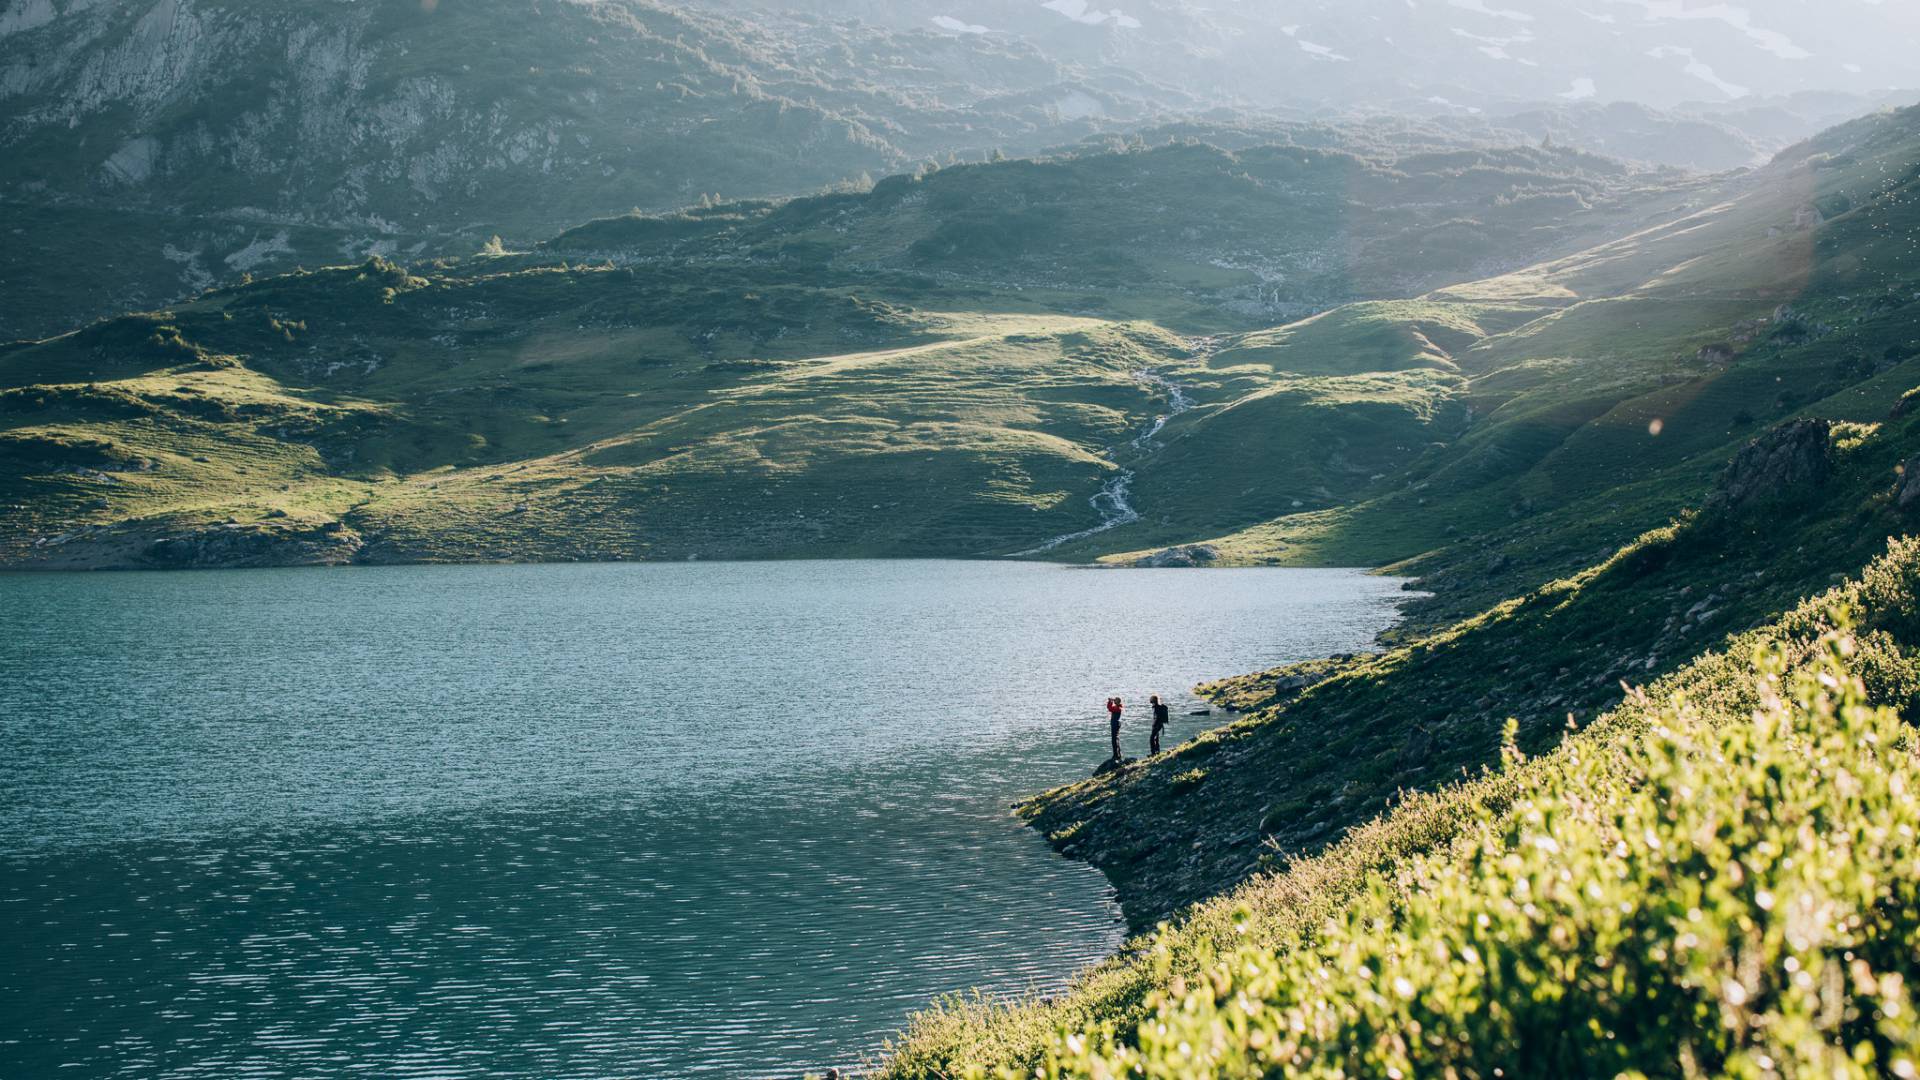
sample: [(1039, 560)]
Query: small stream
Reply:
[(1114, 500)]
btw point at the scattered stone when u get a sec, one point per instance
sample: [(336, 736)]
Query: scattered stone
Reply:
[(1720, 353), (1199, 712)]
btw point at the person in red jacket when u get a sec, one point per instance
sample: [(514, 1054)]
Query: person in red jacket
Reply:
[(1114, 708)]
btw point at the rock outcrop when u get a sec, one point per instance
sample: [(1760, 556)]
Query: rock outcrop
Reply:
[(1907, 489), (1186, 555), (1789, 461)]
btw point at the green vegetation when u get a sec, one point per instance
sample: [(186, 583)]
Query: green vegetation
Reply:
[(1755, 750), (848, 387), (1629, 428), (1715, 878), (827, 377), (1473, 854)]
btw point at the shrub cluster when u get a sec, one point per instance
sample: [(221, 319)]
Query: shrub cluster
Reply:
[(1701, 893)]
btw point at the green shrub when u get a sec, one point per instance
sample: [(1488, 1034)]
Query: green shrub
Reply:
[(1703, 892)]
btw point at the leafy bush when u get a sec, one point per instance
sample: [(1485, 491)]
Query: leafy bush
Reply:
[(1699, 892)]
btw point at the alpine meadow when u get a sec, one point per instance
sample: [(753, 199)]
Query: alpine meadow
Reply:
[(988, 358)]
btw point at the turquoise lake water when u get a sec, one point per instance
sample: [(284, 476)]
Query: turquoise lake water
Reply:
[(730, 820)]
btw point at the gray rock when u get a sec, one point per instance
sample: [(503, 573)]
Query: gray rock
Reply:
[(1907, 490), (1186, 555), (1791, 459)]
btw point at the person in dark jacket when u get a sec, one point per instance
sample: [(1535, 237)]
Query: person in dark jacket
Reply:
[(1114, 708), (1159, 722)]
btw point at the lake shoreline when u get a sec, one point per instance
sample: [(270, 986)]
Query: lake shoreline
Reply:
[(761, 806)]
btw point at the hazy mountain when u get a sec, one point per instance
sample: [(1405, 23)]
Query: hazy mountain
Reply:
[(153, 147), (1474, 53)]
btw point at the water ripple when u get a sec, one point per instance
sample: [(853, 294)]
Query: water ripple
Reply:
[(566, 821)]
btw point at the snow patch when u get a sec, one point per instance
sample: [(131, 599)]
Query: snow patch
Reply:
[(1581, 90), (953, 25), (1739, 18), (1479, 7), (1699, 70), (1082, 12), (260, 251), (133, 162), (1496, 47), (1319, 52), (191, 272)]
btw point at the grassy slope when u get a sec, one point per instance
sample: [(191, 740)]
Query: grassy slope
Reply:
[(1298, 812), (1715, 873), (549, 414), (1541, 452), (1295, 822), (734, 386)]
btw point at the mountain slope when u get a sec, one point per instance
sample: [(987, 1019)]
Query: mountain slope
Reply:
[(1605, 905), (200, 139), (1394, 54), (1584, 379), (1306, 857), (715, 383)]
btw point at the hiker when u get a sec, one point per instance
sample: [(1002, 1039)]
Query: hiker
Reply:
[(1159, 722), (1114, 708)]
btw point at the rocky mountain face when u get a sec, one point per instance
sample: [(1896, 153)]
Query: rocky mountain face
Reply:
[(164, 146), (1472, 54), (152, 149)]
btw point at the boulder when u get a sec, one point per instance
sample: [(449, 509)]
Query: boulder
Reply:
[(1907, 403), (1185, 555), (1111, 766), (1792, 459), (1907, 490)]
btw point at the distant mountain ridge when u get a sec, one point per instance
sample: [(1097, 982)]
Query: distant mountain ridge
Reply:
[(172, 144), (1399, 54), (150, 150)]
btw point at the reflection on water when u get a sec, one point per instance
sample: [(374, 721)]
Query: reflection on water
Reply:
[(573, 821)]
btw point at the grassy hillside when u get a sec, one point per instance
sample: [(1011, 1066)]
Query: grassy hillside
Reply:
[(723, 383), (1322, 887), (1583, 400), (1261, 232), (1598, 811), (610, 413), (978, 351)]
